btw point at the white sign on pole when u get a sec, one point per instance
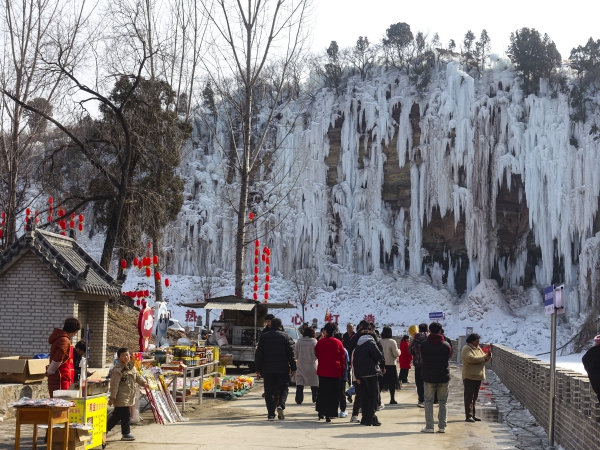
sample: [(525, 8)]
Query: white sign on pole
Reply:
[(559, 300)]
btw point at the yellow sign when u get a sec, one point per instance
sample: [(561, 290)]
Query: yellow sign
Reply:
[(96, 412)]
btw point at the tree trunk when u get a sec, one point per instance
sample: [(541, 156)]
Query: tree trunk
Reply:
[(113, 228), (158, 292)]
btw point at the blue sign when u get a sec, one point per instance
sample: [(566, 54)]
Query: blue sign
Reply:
[(437, 316), (549, 299)]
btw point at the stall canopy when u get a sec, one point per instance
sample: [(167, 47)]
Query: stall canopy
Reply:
[(233, 303)]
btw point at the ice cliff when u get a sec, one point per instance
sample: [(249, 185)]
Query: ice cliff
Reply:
[(469, 180)]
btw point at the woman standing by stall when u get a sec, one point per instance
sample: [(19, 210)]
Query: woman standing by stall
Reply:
[(306, 374), (331, 365), (61, 371)]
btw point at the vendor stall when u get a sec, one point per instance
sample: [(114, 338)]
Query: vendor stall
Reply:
[(93, 411), (238, 332)]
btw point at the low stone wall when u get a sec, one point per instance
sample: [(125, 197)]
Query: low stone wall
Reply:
[(577, 410), (10, 393)]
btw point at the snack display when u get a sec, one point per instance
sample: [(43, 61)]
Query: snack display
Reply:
[(53, 402)]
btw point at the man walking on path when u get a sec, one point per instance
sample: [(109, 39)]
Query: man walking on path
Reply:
[(473, 373), (435, 373), (414, 350), (274, 359)]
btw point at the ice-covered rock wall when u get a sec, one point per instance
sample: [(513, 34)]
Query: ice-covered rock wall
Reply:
[(467, 181)]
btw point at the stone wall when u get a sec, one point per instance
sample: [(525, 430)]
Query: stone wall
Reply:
[(10, 393), (577, 410)]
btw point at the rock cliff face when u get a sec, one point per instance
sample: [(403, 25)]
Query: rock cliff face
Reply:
[(467, 181)]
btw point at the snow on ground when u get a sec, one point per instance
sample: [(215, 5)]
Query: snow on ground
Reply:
[(398, 301), (571, 362)]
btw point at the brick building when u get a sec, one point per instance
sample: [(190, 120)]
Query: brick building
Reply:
[(45, 278)]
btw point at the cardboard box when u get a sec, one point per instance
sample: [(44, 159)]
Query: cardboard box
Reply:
[(77, 438), (22, 369)]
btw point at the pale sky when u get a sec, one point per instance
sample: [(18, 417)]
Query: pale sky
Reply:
[(568, 25)]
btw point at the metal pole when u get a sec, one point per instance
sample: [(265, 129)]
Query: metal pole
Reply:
[(552, 379), (255, 319)]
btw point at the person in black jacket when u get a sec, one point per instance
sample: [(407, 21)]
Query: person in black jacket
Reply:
[(366, 362), (274, 359), (435, 372), (591, 363), (348, 335)]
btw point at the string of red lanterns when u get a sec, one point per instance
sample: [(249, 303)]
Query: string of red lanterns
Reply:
[(256, 253), (267, 260)]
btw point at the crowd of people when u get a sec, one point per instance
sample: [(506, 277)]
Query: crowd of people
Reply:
[(356, 366)]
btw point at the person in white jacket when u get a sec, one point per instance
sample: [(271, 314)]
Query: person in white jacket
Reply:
[(390, 353), (306, 373)]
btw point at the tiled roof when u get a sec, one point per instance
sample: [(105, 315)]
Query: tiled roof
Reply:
[(66, 259)]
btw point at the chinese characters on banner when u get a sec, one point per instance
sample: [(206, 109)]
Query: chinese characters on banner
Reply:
[(191, 316)]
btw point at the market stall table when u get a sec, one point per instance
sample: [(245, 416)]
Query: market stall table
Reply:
[(42, 415), (191, 372)]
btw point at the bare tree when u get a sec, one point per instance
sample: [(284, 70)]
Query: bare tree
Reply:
[(27, 28), (254, 45), (303, 280)]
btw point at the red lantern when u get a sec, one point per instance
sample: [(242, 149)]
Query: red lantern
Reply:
[(139, 294), (1, 233), (155, 260), (72, 216), (256, 288), (266, 296), (80, 227), (167, 283), (257, 243), (263, 257), (267, 278), (251, 216), (256, 270), (50, 200), (267, 269), (255, 260), (148, 272), (61, 212), (268, 261), (138, 303), (123, 264), (255, 296), (27, 212), (157, 276), (81, 217), (140, 265), (146, 261), (3, 215), (256, 278), (266, 286), (50, 218), (256, 252), (135, 262), (72, 224), (147, 293), (268, 251)]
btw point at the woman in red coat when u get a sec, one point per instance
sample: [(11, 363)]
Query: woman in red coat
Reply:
[(331, 358), (404, 359), (61, 371)]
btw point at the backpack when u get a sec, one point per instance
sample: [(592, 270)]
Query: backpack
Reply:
[(415, 349)]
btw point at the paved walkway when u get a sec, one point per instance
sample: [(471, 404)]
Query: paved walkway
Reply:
[(242, 423)]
